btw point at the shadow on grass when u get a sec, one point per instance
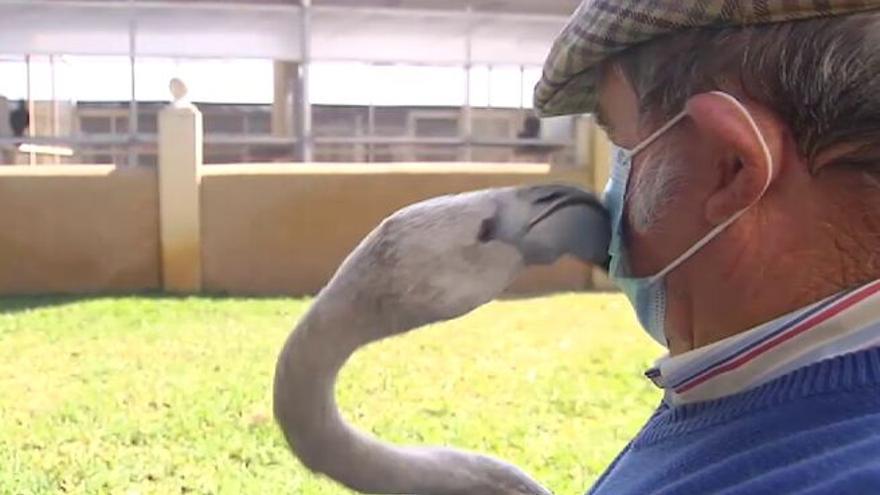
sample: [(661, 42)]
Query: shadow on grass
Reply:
[(17, 304), (523, 296)]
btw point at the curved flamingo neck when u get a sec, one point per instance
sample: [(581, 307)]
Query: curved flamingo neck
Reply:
[(306, 410)]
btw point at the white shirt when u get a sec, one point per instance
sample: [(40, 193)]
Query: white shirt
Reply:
[(843, 323)]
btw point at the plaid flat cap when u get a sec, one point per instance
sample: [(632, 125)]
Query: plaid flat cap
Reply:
[(601, 28)]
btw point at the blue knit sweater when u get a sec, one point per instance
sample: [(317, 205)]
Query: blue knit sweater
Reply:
[(813, 431)]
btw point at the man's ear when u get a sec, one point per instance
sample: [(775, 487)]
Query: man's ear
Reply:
[(747, 148)]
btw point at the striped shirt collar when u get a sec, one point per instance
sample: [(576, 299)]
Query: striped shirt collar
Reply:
[(845, 322)]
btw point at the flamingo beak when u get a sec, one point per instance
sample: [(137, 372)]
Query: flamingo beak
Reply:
[(550, 221)]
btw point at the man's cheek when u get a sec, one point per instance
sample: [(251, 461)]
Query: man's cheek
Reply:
[(645, 203), (652, 214), (641, 239)]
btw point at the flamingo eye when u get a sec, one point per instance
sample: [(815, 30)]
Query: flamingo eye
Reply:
[(487, 230)]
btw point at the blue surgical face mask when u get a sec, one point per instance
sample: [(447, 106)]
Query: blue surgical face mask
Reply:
[(648, 294)]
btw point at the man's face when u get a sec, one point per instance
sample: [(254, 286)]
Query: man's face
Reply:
[(665, 213), (664, 197)]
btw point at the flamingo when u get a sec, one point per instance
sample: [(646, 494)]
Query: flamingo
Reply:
[(429, 262)]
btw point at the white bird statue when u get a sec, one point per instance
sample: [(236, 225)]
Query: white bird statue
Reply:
[(429, 262), (178, 93)]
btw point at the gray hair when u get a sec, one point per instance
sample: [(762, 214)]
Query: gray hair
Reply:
[(654, 190), (821, 76)]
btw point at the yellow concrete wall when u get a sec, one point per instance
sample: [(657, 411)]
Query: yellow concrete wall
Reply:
[(265, 229), (84, 228), (270, 229)]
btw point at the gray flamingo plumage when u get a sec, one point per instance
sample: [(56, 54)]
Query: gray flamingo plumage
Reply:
[(429, 262)]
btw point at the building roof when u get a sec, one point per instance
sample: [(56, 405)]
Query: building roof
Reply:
[(546, 7), (516, 32), (554, 7)]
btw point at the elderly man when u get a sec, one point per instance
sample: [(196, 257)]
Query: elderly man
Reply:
[(745, 193)]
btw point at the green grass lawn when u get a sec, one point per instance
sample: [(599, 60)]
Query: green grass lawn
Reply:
[(160, 395)]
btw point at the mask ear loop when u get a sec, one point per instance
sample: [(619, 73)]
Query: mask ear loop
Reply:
[(648, 141), (721, 227)]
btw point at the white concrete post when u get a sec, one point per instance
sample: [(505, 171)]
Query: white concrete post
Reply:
[(283, 103), (180, 158)]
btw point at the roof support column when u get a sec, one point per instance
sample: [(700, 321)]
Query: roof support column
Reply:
[(303, 107)]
